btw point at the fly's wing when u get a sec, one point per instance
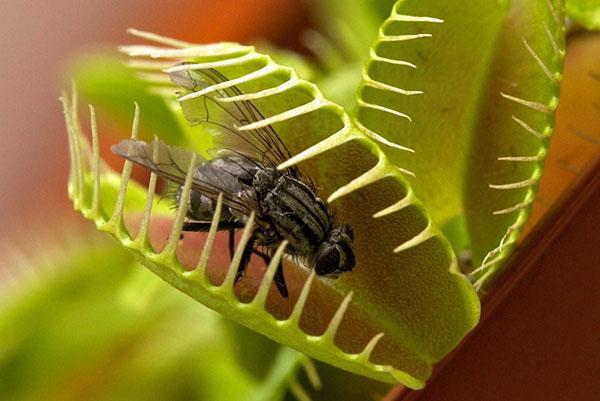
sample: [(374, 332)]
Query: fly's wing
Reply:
[(172, 163), (224, 118)]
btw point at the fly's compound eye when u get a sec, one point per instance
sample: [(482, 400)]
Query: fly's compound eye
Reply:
[(328, 262)]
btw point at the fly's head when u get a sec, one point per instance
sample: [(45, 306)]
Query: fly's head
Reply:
[(335, 255)]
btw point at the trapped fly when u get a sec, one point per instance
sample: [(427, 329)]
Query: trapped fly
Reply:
[(244, 169)]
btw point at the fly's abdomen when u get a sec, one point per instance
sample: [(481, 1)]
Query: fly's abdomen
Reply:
[(296, 214), (226, 173)]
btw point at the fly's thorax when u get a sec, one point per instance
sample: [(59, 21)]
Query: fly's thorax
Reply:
[(335, 254), (265, 180), (294, 212)]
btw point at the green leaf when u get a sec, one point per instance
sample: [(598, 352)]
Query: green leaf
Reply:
[(97, 323), (302, 65), (585, 12), (107, 82), (135, 337), (342, 385), (406, 285), (472, 90), (353, 25), (349, 29)]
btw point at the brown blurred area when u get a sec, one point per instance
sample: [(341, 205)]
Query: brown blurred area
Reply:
[(35, 40), (538, 338), (576, 139)]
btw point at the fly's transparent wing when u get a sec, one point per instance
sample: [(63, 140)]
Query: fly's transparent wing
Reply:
[(172, 163), (223, 118)]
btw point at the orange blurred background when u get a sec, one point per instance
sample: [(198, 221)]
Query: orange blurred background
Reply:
[(35, 40)]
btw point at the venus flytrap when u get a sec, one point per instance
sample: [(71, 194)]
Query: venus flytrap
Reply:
[(585, 12), (445, 145), (473, 91), (312, 126)]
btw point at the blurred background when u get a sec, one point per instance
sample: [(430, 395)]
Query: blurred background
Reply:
[(37, 40)]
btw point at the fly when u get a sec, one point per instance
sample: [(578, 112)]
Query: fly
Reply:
[(244, 170)]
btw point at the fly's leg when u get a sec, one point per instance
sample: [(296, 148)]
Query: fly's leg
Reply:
[(194, 227), (248, 250), (231, 243), (205, 226), (223, 225), (246, 254), (279, 279)]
